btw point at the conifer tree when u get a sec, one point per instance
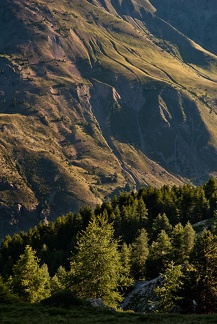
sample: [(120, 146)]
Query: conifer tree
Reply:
[(215, 223), (189, 237), (159, 255), (59, 280), (96, 269), (199, 291), (6, 297), (125, 257), (213, 204), (161, 222), (204, 260), (178, 243), (210, 187), (30, 281), (142, 212), (168, 293), (140, 251)]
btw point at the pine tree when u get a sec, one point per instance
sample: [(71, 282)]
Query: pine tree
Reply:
[(125, 257), (140, 253), (210, 187), (168, 293), (161, 222), (6, 297), (189, 237), (204, 260), (178, 243), (159, 255), (213, 204), (59, 280), (215, 222), (142, 212), (30, 281), (96, 269)]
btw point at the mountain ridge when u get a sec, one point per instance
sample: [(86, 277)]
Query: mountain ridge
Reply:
[(98, 97)]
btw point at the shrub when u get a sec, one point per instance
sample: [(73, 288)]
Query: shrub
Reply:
[(63, 299)]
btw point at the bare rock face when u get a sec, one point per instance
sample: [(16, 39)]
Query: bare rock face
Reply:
[(97, 97), (142, 297)]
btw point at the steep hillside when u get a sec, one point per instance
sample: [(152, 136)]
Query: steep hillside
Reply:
[(196, 19), (97, 97)]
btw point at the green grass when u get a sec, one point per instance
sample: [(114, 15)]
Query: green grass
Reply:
[(24, 313)]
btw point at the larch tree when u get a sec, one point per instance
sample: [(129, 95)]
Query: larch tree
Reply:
[(125, 256), (159, 254), (178, 243), (161, 222), (189, 237), (142, 212), (140, 251), (96, 269), (59, 280), (30, 281), (204, 260), (168, 294)]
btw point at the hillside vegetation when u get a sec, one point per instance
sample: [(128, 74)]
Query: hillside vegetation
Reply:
[(102, 253), (80, 315), (97, 97)]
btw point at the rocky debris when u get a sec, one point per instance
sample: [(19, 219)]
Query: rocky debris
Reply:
[(98, 303), (142, 298)]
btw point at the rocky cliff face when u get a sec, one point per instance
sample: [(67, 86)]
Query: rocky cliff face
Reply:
[(102, 96)]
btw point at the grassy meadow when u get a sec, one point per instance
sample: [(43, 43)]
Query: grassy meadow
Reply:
[(26, 313)]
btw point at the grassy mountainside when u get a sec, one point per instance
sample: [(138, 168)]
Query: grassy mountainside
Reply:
[(97, 97)]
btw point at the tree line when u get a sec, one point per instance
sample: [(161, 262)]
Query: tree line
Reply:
[(136, 236)]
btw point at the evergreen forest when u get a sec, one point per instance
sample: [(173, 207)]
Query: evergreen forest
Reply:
[(167, 232)]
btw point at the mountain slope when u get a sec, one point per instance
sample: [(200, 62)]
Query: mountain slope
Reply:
[(97, 97), (196, 19)]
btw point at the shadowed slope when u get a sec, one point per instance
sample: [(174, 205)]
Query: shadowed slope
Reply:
[(95, 97)]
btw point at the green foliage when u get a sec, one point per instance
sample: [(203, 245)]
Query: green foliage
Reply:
[(160, 254), (161, 222), (125, 258), (189, 239), (139, 255), (168, 293), (150, 208), (138, 233), (96, 269), (210, 187), (178, 243), (193, 203), (182, 242), (6, 297), (62, 298), (30, 281), (215, 223), (199, 291), (204, 260), (26, 313), (59, 280)]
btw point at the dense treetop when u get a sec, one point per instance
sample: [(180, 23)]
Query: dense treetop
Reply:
[(150, 208), (138, 235)]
